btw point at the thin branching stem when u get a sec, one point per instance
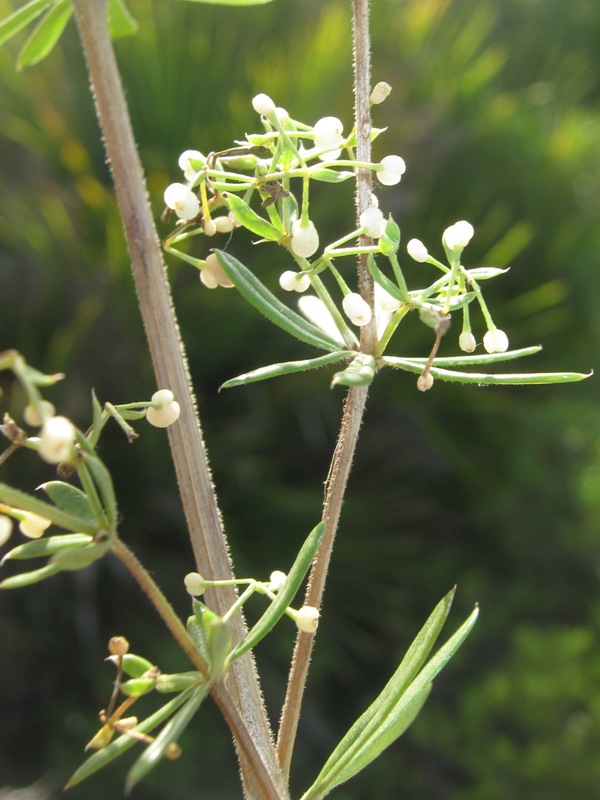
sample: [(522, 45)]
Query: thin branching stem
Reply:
[(354, 407)]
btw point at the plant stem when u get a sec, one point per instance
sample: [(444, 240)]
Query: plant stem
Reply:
[(170, 366), (354, 407)]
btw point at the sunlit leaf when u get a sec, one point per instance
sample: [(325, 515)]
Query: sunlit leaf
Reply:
[(20, 18), (286, 368), (247, 217), (47, 546), (64, 519), (120, 20), (29, 578), (69, 498), (265, 301), (169, 735), (46, 34), (360, 372), (285, 595)]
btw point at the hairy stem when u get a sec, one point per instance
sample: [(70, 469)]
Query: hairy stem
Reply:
[(354, 408), (168, 358)]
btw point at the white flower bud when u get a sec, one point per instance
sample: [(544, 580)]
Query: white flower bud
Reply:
[(223, 224), (32, 525), (212, 274), (210, 227), (458, 235), (394, 168), (33, 415), (425, 382), (182, 200), (56, 440), (328, 133), (6, 527), (386, 301), (307, 619), (282, 115), (277, 580), (356, 309), (194, 584), (495, 341), (466, 342), (373, 222), (380, 91), (305, 239), (263, 105), (417, 250), (292, 281), (185, 163), (165, 410)]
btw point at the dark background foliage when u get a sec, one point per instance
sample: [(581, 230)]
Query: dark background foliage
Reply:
[(496, 109)]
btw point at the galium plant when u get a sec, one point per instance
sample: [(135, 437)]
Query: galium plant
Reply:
[(262, 183)]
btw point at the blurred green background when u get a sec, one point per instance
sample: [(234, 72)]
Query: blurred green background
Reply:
[(496, 109)]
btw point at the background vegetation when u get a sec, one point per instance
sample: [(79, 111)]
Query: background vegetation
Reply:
[(496, 109)]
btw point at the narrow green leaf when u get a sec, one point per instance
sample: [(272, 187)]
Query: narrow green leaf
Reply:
[(390, 719), (120, 20), (169, 734), (483, 379), (382, 279), (177, 682), (198, 635), (360, 372), (409, 667), (20, 18), (330, 175), (69, 498), (47, 547), (285, 595), (115, 749), (102, 479), (29, 578), (484, 273), (251, 220), (273, 309), (133, 665), (80, 557), (64, 519), (45, 35), (136, 687), (286, 368), (466, 360)]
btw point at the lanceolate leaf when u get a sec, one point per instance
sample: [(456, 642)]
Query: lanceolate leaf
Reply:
[(169, 735), (115, 749), (481, 378), (120, 20), (265, 301), (285, 595), (251, 220), (10, 26), (396, 707), (69, 498), (46, 34), (286, 368), (47, 546), (64, 519)]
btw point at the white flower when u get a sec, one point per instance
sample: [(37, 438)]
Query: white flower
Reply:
[(373, 222), (34, 414), (425, 382), (417, 250), (328, 133), (307, 619), (386, 301), (56, 439), (32, 525), (277, 580), (185, 163), (292, 281), (495, 341), (210, 227), (182, 200), (6, 526), (263, 105), (356, 309), (380, 91), (194, 584), (466, 342), (458, 235), (165, 410), (282, 115), (212, 274), (315, 311), (394, 168), (305, 239)]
